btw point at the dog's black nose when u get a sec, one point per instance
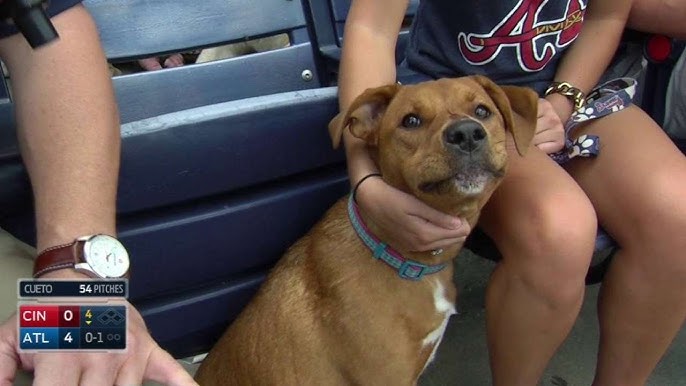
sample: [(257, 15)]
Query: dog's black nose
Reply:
[(467, 135)]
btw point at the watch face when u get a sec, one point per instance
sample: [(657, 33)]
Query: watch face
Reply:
[(107, 256)]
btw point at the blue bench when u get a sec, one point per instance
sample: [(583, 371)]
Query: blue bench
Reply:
[(224, 164)]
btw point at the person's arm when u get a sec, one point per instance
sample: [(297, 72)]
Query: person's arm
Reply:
[(591, 53), (68, 129), (666, 17), (368, 60)]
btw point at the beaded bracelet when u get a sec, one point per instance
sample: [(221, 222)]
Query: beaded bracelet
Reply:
[(566, 89), (357, 185)]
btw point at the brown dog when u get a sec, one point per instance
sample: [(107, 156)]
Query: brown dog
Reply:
[(331, 314)]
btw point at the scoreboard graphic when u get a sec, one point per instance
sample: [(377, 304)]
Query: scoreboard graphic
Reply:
[(69, 315)]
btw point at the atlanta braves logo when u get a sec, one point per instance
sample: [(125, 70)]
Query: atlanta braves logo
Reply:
[(521, 29)]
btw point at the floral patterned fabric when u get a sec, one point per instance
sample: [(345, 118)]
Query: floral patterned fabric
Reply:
[(612, 96)]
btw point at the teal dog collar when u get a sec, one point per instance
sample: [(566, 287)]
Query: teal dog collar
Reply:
[(407, 269)]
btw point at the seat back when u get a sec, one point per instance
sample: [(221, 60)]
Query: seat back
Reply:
[(658, 73), (134, 29)]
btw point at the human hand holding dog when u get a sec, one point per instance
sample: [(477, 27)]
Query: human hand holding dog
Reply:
[(409, 223), (550, 133)]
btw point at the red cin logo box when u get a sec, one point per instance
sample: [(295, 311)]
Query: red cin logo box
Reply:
[(39, 316), (49, 316)]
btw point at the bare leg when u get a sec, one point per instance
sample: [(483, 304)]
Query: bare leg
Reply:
[(638, 187), (545, 227)]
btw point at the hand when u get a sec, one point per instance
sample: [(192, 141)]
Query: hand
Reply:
[(409, 223), (550, 132), (143, 359)]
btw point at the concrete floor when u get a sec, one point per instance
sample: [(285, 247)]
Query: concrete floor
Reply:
[(462, 358)]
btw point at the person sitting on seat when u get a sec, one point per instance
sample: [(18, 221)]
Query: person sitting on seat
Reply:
[(69, 135), (544, 216)]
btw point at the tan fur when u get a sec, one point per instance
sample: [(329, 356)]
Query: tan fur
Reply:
[(329, 314)]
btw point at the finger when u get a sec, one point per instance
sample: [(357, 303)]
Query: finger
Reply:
[(544, 107), (161, 367), (51, 371), (132, 373), (549, 136), (548, 127), (433, 216), (8, 368), (427, 235), (550, 147), (435, 232), (98, 376), (445, 243), (9, 360)]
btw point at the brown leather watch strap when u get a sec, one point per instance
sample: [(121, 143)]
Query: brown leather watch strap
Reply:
[(57, 257)]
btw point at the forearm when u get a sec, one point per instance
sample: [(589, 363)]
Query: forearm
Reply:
[(377, 69), (589, 56), (368, 60), (68, 129), (666, 17), (591, 53)]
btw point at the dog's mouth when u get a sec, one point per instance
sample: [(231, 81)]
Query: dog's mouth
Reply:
[(470, 180)]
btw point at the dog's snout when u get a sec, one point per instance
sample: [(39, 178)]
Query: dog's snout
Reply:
[(466, 135)]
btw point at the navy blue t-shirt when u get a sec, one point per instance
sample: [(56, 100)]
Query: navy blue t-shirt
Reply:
[(511, 41), (54, 7)]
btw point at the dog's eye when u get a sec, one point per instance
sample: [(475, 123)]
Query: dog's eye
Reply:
[(482, 112), (411, 121)]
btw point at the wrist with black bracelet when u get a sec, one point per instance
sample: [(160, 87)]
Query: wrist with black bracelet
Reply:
[(363, 179)]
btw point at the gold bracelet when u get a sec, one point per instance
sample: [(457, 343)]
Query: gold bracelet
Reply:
[(563, 88)]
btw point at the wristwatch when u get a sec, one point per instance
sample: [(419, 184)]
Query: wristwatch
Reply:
[(99, 256)]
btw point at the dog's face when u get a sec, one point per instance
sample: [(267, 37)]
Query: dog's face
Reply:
[(443, 141)]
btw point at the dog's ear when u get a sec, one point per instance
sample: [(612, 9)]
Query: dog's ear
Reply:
[(364, 115), (519, 108)]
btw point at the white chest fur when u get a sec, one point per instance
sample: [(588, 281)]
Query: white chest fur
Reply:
[(445, 307)]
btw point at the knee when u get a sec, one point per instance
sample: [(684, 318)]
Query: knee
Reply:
[(554, 252), (558, 230)]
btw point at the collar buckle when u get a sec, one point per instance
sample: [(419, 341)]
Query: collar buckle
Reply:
[(412, 270)]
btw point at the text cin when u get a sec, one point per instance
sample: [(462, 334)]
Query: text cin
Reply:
[(34, 316)]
